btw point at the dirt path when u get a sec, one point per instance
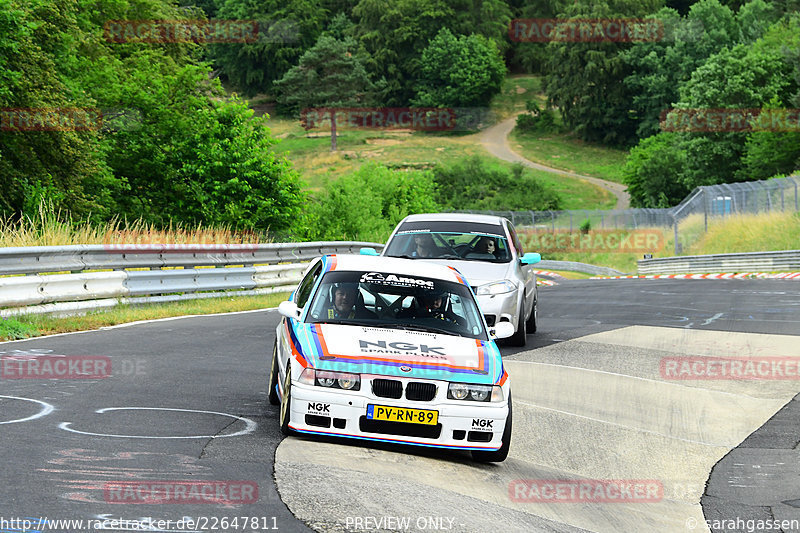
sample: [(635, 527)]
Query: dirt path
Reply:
[(495, 140)]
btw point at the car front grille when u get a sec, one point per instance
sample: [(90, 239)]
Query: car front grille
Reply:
[(399, 428), (387, 388), (420, 392)]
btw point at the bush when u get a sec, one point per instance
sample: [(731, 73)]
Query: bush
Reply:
[(368, 204), (477, 185), (536, 119)]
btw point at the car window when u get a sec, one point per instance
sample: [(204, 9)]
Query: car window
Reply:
[(450, 240), (304, 289)]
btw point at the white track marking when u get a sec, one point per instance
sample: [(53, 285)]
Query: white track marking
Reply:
[(250, 425)]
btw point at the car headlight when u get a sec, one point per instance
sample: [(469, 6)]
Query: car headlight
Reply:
[(497, 287), (475, 393), (337, 380)]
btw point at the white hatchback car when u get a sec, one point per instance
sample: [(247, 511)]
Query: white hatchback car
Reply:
[(391, 350), (487, 251)]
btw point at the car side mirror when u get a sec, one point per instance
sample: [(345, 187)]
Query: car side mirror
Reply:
[(530, 258), (368, 251), (289, 310), (501, 330)]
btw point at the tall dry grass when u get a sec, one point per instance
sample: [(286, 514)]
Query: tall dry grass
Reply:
[(749, 233), (50, 227)]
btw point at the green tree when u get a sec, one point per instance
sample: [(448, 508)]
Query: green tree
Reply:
[(395, 32), (459, 72), (330, 74), (651, 171), (745, 77), (583, 79), (37, 43), (287, 28)]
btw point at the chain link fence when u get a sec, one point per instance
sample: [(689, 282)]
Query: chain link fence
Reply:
[(710, 201)]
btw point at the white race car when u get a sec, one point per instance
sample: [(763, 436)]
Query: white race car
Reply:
[(391, 350)]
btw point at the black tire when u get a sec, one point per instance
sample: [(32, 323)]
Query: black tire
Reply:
[(521, 336), (500, 455), (273, 378), (531, 323), (286, 404)]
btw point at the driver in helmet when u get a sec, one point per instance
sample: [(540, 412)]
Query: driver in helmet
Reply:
[(344, 303)]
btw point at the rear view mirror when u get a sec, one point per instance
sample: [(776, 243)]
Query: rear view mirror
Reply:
[(530, 258), (289, 310), (368, 251)]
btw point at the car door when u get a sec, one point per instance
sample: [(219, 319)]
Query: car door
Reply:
[(301, 297)]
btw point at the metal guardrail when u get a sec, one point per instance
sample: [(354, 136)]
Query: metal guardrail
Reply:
[(107, 275), (574, 266), (744, 262)]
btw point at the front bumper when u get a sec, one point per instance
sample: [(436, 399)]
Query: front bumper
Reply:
[(500, 307), (465, 425)]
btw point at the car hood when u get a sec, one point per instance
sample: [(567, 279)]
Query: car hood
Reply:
[(396, 352), (478, 272)]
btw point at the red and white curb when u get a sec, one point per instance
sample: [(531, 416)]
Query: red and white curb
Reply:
[(740, 275), (545, 282), (548, 274)]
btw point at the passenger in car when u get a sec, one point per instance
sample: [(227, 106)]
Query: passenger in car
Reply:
[(425, 247), (432, 305), (486, 245)]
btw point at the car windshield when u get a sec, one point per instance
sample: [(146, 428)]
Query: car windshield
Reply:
[(448, 240), (395, 300)]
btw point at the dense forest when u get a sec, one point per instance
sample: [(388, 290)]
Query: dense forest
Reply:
[(174, 146)]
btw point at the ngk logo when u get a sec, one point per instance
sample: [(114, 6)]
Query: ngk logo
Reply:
[(318, 406), (482, 423)]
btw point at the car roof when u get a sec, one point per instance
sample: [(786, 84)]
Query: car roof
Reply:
[(394, 265), (456, 217)]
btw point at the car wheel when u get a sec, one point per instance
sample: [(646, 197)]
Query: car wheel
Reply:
[(501, 454), (531, 323), (286, 404), (520, 337), (273, 377)]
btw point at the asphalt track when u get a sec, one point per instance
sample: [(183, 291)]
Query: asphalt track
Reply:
[(186, 401)]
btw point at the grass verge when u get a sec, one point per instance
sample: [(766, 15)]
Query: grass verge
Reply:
[(25, 326), (565, 152)]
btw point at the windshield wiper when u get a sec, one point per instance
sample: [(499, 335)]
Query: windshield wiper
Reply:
[(429, 329), (344, 322)]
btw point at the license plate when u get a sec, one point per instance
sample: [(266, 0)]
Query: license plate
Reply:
[(402, 414)]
